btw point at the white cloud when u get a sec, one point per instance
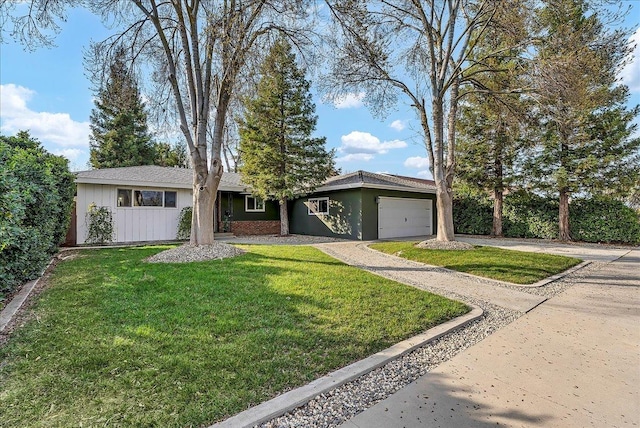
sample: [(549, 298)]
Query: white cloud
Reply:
[(355, 157), (364, 142), (349, 101), (417, 162), (72, 154), (630, 75), (425, 174), (398, 125), (55, 128)]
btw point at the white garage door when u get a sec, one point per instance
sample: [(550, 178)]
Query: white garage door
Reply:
[(399, 217)]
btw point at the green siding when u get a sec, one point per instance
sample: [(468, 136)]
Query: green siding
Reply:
[(344, 219), (235, 205), (353, 214)]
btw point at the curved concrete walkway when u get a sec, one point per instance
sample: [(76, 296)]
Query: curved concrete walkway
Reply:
[(587, 252), (430, 278), (574, 361)]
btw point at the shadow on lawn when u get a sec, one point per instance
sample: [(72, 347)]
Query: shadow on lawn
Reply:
[(190, 343)]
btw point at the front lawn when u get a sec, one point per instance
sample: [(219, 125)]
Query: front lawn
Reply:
[(115, 341), (517, 267)]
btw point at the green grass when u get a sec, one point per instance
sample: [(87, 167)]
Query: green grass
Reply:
[(115, 341), (518, 267)]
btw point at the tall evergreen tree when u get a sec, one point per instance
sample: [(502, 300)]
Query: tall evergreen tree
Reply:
[(585, 143), (490, 135), (279, 158), (493, 110), (119, 132), (171, 155)]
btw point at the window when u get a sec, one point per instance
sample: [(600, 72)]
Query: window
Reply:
[(124, 197), (318, 206), (170, 199), (147, 198), (253, 204)]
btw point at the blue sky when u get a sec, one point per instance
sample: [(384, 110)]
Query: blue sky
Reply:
[(47, 92)]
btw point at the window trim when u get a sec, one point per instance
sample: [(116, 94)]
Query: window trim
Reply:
[(253, 210), (311, 201)]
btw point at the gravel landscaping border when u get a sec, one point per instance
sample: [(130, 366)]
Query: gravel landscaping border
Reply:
[(191, 253)]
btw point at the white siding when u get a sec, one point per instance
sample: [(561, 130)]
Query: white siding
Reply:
[(132, 224)]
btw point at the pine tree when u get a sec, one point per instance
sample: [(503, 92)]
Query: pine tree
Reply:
[(119, 132), (493, 111), (171, 155), (279, 157), (487, 148), (585, 126)]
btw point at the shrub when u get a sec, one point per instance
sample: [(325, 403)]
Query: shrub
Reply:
[(472, 215), (530, 216), (36, 196), (99, 225), (184, 224), (603, 220)]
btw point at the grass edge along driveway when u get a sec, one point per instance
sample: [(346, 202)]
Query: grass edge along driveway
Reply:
[(115, 341), (513, 266)]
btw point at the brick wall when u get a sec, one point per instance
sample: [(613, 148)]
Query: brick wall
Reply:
[(260, 227)]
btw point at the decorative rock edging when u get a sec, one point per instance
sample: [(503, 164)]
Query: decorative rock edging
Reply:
[(290, 400), (11, 309)]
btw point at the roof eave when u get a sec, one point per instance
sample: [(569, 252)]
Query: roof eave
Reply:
[(164, 184), (131, 183), (374, 186)]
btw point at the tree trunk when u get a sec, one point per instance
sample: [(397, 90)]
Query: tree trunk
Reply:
[(444, 194), (563, 216), (202, 217), (497, 213), (205, 190), (284, 218), (444, 204)]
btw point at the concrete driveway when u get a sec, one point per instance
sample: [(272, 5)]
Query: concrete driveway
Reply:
[(573, 361), (587, 252)]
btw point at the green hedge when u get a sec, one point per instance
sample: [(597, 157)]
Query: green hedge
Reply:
[(603, 220), (36, 196), (472, 215), (531, 216)]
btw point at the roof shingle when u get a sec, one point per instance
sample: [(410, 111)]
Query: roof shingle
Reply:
[(154, 176)]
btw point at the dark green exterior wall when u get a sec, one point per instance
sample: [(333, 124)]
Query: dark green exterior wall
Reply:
[(353, 214), (344, 219), (234, 203)]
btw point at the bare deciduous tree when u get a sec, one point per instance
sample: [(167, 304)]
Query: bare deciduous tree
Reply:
[(423, 50)]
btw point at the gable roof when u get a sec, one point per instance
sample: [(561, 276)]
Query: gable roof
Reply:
[(364, 179), (154, 176), (182, 178)]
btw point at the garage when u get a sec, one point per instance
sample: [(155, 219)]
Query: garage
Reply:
[(402, 217)]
